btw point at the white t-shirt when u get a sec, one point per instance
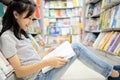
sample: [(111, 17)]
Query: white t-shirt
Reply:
[(10, 46)]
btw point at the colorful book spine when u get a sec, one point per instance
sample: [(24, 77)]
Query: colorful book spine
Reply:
[(114, 43), (117, 50), (110, 40), (37, 12), (99, 38), (86, 39), (103, 3), (118, 18), (104, 40), (113, 18)]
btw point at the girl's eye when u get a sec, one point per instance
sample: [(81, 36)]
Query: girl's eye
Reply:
[(34, 19)]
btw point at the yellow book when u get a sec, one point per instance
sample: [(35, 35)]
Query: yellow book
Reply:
[(103, 3), (104, 40), (75, 3), (110, 40)]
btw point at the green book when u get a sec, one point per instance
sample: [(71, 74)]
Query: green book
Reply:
[(2, 11)]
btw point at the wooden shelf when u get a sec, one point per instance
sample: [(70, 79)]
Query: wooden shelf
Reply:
[(110, 29), (61, 17), (93, 31), (103, 30), (63, 7), (92, 2)]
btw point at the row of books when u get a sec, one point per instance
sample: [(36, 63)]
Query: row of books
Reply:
[(92, 24), (5, 67), (89, 39), (62, 3), (108, 41), (61, 22), (62, 12), (58, 30), (56, 39), (93, 9), (105, 41), (107, 2), (110, 18)]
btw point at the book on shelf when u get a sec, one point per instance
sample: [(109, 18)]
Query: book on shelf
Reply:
[(38, 2), (1, 10), (52, 4), (97, 8), (89, 39), (114, 43), (114, 16), (117, 50), (104, 40), (98, 40), (64, 50), (118, 18), (110, 40), (37, 12), (4, 65)]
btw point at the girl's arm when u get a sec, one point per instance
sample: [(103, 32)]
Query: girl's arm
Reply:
[(22, 71)]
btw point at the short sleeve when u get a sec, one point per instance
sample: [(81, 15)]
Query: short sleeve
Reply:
[(8, 46)]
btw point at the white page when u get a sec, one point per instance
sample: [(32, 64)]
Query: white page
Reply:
[(65, 50)]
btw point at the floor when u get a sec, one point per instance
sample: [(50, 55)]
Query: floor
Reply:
[(79, 71)]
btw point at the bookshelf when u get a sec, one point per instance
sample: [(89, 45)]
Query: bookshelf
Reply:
[(102, 30), (61, 20), (36, 27)]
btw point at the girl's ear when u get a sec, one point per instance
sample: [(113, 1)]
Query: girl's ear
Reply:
[(16, 15)]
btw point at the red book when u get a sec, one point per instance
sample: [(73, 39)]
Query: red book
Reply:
[(37, 12)]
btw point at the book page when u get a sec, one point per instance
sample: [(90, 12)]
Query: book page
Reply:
[(65, 50)]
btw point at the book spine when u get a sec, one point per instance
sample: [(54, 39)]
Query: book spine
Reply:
[(117, 50), (110, 40), (114, 43)]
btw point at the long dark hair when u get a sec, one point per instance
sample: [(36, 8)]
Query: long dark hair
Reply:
[(9, 20)]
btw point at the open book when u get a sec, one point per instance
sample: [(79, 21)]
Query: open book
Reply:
[(65, 50)]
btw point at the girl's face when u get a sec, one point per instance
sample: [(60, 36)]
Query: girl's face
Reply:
[(22, 21)]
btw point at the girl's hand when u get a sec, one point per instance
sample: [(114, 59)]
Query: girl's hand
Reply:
[(56, 61)]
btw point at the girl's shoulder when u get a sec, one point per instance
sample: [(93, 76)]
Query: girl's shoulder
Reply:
[(8, 35)]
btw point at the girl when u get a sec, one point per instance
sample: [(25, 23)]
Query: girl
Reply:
[(27, 64)]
